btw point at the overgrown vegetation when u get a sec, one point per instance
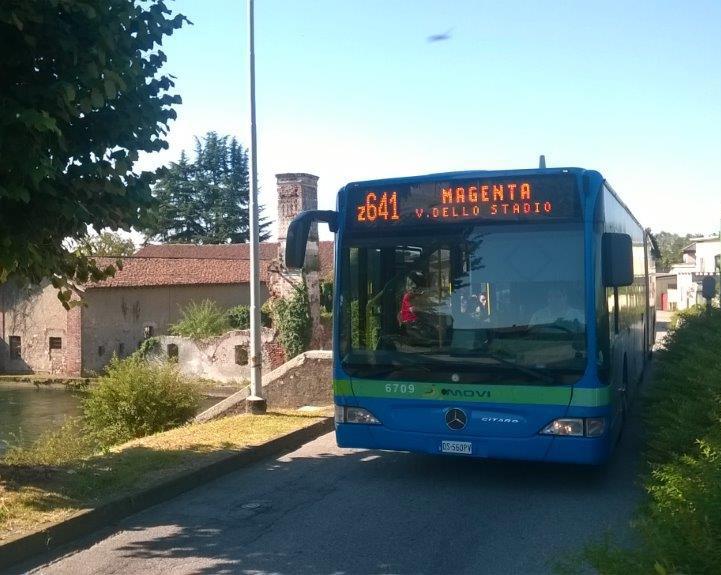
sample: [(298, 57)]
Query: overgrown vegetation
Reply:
[(138, 398), (326, 296), (239, 317), (291, 317), (134, 399), (72, 442), (147, 346), (266, 313), (680, 522), (201, 320)]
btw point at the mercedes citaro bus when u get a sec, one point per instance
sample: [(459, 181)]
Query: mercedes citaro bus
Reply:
[(493, 314)]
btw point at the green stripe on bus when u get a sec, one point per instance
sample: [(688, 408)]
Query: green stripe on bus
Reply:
[(543, 395), (342, 387), (591, 396)]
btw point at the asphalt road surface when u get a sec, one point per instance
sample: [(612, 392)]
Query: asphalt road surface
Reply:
[(323, 510)]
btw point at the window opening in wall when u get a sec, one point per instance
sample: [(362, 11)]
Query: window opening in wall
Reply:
[(172, 350), (121, 349), (241, 355), (56, 343), (101, 350), (15, 344)]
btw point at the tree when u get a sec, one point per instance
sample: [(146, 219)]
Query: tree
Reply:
[(81, 95), (107, 244), (671, 247), (206, 201)]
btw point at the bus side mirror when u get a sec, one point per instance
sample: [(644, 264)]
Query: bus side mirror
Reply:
[(298, 231), (616, 259), (708, 287)]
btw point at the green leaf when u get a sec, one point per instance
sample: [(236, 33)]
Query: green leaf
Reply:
[(52, 185), (69, 92), (110, 91), (96, 97)]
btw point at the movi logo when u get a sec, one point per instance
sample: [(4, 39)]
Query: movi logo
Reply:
[(484, 394)]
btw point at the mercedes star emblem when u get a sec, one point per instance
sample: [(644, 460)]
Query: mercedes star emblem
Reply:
[(456, 418)]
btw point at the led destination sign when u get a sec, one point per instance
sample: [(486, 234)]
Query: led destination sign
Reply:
[(533, 198)]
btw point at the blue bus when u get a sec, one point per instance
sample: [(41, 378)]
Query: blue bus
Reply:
[(491, 314)]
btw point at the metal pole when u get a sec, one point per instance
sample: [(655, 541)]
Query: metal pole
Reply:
[(255, 402)]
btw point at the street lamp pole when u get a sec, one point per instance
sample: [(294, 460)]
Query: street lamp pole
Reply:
[(255, 402)]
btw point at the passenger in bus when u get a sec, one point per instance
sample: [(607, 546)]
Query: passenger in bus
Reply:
[(557, 311), (407, 314), (482, 308), (413, 317)]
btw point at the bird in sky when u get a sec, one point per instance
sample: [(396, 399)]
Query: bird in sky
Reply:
[(440, 37)]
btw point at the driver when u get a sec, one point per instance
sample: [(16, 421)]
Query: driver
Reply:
[(557, 310)]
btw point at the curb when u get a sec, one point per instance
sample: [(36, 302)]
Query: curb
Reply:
[(86, 522)]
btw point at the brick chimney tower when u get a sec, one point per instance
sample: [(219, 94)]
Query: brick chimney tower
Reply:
[(296, 193)]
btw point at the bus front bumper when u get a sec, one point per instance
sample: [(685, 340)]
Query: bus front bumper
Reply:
[(581, 450)]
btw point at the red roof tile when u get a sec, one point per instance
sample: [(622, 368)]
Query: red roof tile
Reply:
[(141, 272), (189, 264), (268, 251)]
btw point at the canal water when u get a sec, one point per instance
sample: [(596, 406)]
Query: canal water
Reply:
[(26, 412)]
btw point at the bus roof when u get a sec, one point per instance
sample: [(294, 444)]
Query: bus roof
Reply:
[(465, 175)]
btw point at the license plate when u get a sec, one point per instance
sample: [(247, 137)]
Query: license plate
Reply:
[(461, 447)]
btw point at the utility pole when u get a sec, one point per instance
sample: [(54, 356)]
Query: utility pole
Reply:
[(254, 402)]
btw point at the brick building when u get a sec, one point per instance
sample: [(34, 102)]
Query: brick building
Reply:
[(37, 335)]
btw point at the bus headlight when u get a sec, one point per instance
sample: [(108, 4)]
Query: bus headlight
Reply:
[(576, 427), (567, 426), (345, 414)]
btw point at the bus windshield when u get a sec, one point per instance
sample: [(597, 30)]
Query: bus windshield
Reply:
[(484, 304)]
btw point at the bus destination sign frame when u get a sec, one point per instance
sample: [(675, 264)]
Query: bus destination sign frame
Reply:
[(530, 198)]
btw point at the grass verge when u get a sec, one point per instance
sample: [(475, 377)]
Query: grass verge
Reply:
[(55, 478), (679, 523)]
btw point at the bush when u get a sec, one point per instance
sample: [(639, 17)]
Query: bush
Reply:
[(291, 318), (137, 398), (201, 320), (326, 295), (239, 317), (680, 523), (148, 346), (266, 313)]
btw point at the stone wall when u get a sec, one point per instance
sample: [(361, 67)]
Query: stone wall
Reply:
[(34, 314), (305, 380), (114, 320), (223, 358)]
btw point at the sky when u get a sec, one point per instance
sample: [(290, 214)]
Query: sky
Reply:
[(352, 90)]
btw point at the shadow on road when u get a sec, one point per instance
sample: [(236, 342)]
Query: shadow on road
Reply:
[(324, 510)]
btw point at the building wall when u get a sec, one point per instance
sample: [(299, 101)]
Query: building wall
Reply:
[(114, 319), (35, 315), (216, 358), (706, 253)]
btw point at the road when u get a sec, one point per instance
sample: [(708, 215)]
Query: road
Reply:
[(323, 510)]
